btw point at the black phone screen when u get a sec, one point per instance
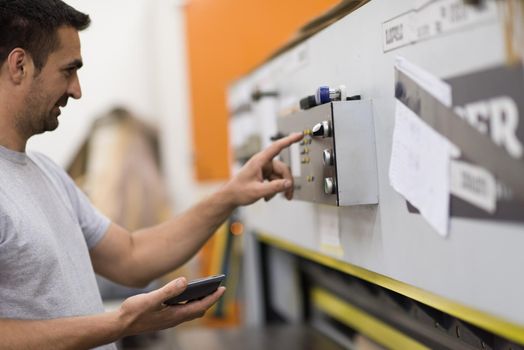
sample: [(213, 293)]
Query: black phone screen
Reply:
[(197, 289)]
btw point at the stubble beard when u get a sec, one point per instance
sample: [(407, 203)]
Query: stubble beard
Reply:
[(35, 118)]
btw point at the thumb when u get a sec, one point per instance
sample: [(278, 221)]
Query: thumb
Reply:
[(170, 290), (272, 187)]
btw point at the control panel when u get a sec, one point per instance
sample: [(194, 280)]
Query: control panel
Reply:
[(335, 163)]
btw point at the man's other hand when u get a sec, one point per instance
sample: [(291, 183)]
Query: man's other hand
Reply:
[(263, 176), (147, 312)]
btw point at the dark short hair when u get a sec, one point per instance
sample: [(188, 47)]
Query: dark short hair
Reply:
[(32, 25)]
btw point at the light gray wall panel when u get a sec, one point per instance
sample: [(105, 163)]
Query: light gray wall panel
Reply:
[(480, 263)]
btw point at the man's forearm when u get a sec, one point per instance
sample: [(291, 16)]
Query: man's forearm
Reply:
[(147, 254), (64, 333), (174, 242), (137, 314)]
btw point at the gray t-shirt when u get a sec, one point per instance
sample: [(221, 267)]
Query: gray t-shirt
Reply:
[(47, 226)]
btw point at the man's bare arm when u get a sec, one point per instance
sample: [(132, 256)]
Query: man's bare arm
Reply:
[(136, 259), (138, 314), (64, 333)]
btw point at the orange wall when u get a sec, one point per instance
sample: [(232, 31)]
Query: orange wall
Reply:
[(227, 38)]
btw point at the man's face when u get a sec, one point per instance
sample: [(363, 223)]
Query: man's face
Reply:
[(50, 89)]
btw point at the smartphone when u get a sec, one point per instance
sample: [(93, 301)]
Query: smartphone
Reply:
[(197, 289)]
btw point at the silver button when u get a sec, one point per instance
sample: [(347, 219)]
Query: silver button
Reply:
[(329, 186), (322, 129), (327, 156)]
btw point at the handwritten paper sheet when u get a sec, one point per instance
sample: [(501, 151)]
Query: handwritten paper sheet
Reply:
[(420, 158), (419, 168)]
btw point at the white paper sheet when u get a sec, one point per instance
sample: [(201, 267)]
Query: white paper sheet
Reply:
[(419, 167), (296, 166), (329, 231), (436, 87)]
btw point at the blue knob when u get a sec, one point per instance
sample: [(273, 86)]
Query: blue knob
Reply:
[(322, 95)]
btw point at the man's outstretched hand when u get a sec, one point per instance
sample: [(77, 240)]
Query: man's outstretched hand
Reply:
[(147, 312), (262, 176)]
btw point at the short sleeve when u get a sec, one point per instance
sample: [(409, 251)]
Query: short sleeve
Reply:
[(93, 223)]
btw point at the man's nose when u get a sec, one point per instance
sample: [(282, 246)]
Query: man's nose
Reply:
[(74, 90)]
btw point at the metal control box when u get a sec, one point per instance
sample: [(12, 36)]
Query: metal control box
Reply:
[(336, 162)]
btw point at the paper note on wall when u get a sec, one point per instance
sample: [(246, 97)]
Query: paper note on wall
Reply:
[(419, 167), (329, 231), (436, 87)]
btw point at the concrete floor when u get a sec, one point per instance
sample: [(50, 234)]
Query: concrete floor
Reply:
[(270, 338)]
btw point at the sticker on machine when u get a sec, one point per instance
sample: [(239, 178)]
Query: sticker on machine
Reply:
[(493, 108), (294, 154), (329, 231), (432, 18), (474, 184), (484, 123)]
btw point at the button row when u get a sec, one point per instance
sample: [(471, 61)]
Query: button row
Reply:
[(324, 130)]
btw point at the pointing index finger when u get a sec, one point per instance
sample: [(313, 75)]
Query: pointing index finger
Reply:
[(276, 147)]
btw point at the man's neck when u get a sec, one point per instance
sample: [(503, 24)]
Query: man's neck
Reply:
[(12, 143), (9, 136)]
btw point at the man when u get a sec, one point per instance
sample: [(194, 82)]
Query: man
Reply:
[(51, 239)]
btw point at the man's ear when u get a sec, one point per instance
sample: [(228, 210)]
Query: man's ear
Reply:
[(19, 64)]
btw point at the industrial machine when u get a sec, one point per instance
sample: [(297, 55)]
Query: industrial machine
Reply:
[(407, 224)]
